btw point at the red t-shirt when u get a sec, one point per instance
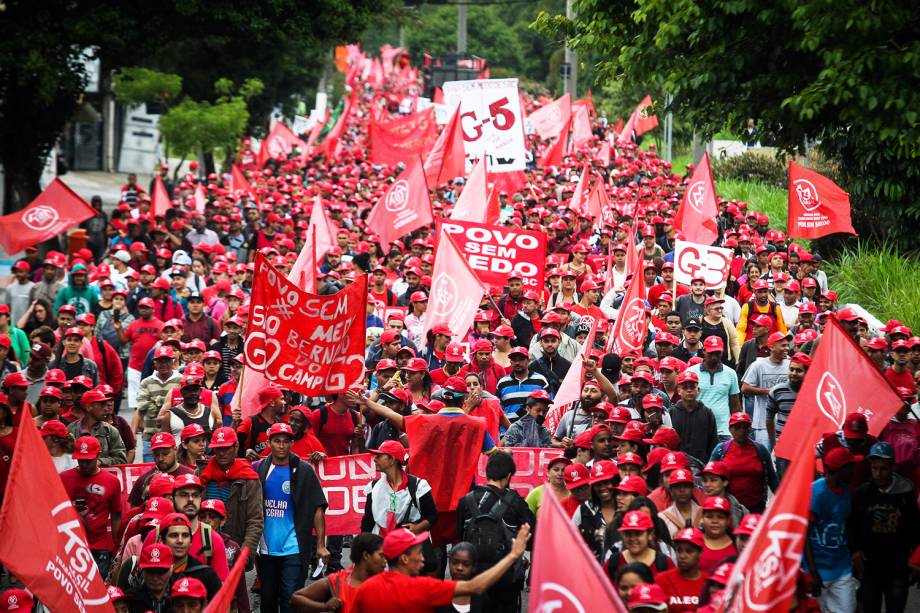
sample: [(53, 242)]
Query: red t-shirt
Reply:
[(668, 563), (102, 494), (392, 591), (683, 594), (711, 558), (592, 311), (336, 433), (745, 474), (570, 505), (143, 334), (903, 379), (207, 396)]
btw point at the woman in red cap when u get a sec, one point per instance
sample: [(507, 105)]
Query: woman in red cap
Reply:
[(716, 524), (594, 515), (715, 479), (337, 591), (60, 444), (750, 467), (684, 584), (637, 531)]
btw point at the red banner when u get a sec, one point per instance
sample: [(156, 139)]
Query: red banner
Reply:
[(699, 210), (817, 205), (54, 210), (404, 208), (494, 252), (311, 344), (404, 139)]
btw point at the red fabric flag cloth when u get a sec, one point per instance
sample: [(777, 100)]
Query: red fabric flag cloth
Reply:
[(238, 181), (817, 205), (639, 122), (696, 217), (404, 207), (246, 396), (447, 158), (223, 599), (765, 576), (280, 141), (51, 213), (578, 202), (555, 152), (403, 139), (473, 203), (320, 238), (578, 583), (159, 203), (581, 126), (44, 544), (310, 344), (604, 154), (550, 119), (456, 291), (201, 200), (570, 388), (841, 380), (511, 182), (631, 325), (432, 439)]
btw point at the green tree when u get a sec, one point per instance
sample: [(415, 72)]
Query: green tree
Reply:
[(842, 74)]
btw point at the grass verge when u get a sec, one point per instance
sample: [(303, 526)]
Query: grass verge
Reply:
[(760, 197), (881, 279)]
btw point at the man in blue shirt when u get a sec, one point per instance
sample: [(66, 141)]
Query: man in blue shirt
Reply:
[(719, 389), (294, 506), (827, 552), (515, 388)]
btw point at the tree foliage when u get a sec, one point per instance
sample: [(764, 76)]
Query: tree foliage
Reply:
[(843, 74), (135, 85)]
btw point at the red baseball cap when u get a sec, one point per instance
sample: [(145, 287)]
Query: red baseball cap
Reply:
[(187, 480), (162, 440), (717, 503), (837, 458), (213, 504), (156, 555), (633, 484), (777, 337), (636, 521), (715, 468), (648, 595), (680, 476), (188, 587), (603, 470), (16, 600), (454, 353), (723, 572), (223, 437), (87, 448), (748, 524), (280, 428), (664, 437), (161, 484), (739, 418), (164, 351), (398, 541), (762, 320), (855, 426), (576, 475), (629, 458), (689, 535), (391, 448), (713, 344), (519, 351), (54, 427)]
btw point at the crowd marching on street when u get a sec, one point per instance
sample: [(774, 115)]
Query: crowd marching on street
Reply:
[(622, 404)]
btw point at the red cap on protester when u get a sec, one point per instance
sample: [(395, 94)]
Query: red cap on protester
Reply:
[(16, 600), (636, 521), (162, 440), (223, 437), (855, 425), (633, 484), (280, 428), (576, 475), (748, 524), (838, 457), (717, 503), (396, 542), (156, 555), (603, 470), (689, 535), (188, 587), (647, 595), (715, 468), (629, 458), (215, 505), (680, 476), (739, 418), (87, 448), (391, 448)]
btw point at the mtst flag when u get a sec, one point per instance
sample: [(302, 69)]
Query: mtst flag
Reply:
[(841, 380), (456, 290), (404, 207), (549, 120), (817, 205), (631, 325), (696, 217), (54, 210)]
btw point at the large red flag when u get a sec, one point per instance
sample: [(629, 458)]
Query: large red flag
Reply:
[(604, 154), (281, 140), (631, 325), (456, 291), (403, 139), (639, 122), (555, 152), (54, 210), (201, 200), (577, 584), (474, 203), (44, 544), (160, 202), (570, 388), (404, 207), (223, 599), (696, 217), (817, 205), (238, 181), (320, 238), (550, 119), (581, 126), (577, 204), (841, 380), (765, 576), (447, 158)]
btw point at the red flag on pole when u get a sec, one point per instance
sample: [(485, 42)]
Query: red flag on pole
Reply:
[(223, 599), (639, 122), (403, 139), (473, 203), (604, 154), (841, 380), (201, 200), (817, 205), (577, 204), (44, 544), (550, 119), (160, 202), (631, 325), (580, 584), (447, 158), (320, 238), (238, 181), (696, 217), (456, 291), (555, 152), (280, 141), (51, 213), (581, 126), (765, 576), (570, 388), (404, 207)]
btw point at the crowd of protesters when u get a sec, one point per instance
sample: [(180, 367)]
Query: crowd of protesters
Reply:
[(130, 350)]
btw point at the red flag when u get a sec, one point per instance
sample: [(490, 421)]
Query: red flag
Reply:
[(223, 599), (447, 158), (579, 584), (160, 202), (841, 380), (474, 203), (317, 128), (44, 544), (604, 154), (550, 119), (456, 291), (764, 577), (570, 388), (696, 217), (403, 139), (320, 238), (577, 204), (817, 205), (51, 213), (639, 122), (438, 96), (238, 181), (598, 204), (201, 200), (310, 344), (404, 207), (280, 141), (631, 325), (332, 144), (581, 126), (555, 152)]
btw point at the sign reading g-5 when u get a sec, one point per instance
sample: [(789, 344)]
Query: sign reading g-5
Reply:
[(713, 264), (495, 252)]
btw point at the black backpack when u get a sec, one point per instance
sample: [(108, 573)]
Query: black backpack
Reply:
[(485, 527)]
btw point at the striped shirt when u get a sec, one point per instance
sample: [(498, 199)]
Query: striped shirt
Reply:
[(780, 399), (513, 393)]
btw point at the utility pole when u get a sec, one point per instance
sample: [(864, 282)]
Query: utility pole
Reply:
[(570, 68), (668, 127), (461, 26)]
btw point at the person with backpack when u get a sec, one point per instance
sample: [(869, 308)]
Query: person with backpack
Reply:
[(760, 304), (489, 517), (399, 500), (750, 467), (253, 431)]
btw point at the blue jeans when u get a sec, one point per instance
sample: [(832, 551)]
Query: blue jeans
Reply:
[(281, 576), (146, 454)]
